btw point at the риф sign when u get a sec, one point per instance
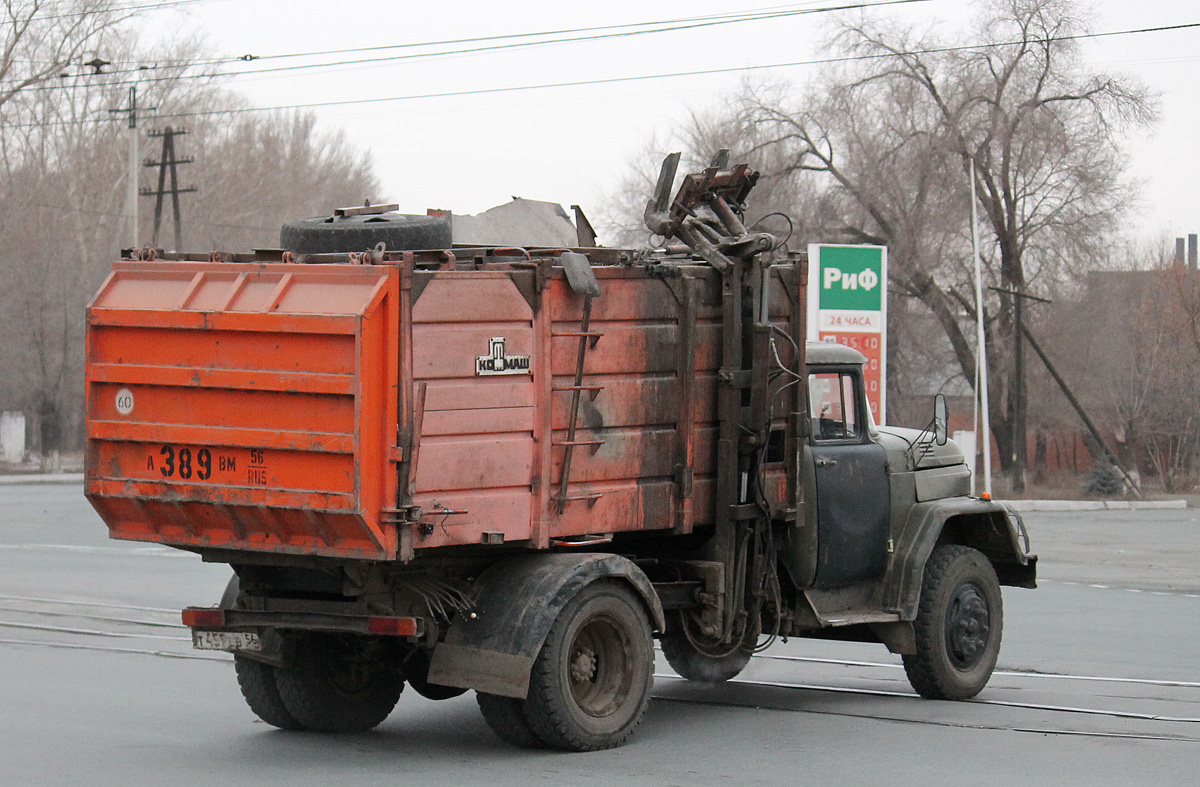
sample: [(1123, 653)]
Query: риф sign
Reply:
[(850, 307)]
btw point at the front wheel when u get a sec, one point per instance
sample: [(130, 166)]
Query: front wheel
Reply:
[(591, 680), (958, 625), (338, 684)]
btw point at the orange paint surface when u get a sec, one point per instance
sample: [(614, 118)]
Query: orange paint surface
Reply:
[(262, 407), (247, 406)]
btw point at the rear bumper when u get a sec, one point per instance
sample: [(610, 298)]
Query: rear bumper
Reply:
[(213, 619)]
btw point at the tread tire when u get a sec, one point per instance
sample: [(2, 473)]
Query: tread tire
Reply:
[(603, 633), (331, 685), (257, 679), (506, 717), (257, 682), (960, 595), (397, 231), (416, 673), (695, 666)]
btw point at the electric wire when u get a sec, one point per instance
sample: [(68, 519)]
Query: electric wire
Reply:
[(486, 43), (98, 117)]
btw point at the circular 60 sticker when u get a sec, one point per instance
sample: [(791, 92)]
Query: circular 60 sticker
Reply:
[(124, 401)]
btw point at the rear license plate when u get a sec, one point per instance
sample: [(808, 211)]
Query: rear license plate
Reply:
[(225, 640)]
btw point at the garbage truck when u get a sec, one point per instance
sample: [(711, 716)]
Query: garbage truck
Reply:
[(513, 470)]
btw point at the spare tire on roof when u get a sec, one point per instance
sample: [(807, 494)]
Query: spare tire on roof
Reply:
[(398, 231)]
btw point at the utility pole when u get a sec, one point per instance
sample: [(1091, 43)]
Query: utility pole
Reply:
[(165, 162), (1083, 416), (131, 188), (1020, 454), (984, 442)]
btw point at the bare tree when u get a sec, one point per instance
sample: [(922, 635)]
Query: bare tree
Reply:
[(899, 129), (263, 169), (45, 39), (784, 202), (61, 204)]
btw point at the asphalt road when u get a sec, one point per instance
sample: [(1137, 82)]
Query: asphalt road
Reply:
[(1098, 683)]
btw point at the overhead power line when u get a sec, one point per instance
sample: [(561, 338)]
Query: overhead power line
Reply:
[(515, 40), (578, 33), (491, 43), (637, 78), (680, 74)]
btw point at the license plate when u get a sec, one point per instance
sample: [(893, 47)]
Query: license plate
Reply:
[(225, 640)]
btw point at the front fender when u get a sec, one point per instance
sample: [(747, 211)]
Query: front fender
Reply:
[(985, 525), (516, 602)]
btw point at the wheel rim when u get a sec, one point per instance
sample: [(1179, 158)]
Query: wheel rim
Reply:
[(967, 626), (350, 672), (599, 667)]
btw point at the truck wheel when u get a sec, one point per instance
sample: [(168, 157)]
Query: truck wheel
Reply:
[(590, 683), (416, 672), (506, 717), (256, 679), (257, 682), (336, 684), (700, 667), (359, 233), (958, 625)]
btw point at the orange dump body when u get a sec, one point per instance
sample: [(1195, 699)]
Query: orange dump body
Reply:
[(375, 411), (244, 406)]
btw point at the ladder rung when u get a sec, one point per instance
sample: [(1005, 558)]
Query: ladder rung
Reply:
[(594, 496), (589, 334), (578, 388), (578, 442)]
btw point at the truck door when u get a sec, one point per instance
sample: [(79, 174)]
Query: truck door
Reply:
[(852, 482)]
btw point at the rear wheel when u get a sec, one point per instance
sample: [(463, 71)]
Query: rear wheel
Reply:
[(506, 717), (416, 673), (339, 684), (256, 679), (694, 665), (257, 682), (591, 680), (958, 625)]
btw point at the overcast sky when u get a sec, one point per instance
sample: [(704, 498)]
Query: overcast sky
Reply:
[(571, 144)]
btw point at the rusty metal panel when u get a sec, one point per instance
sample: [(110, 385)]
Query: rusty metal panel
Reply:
[(244, 406), (473, 340), (625, 474), (290, 377)]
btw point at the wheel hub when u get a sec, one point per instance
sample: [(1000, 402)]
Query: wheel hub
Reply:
[(967, 626), (583, 665)]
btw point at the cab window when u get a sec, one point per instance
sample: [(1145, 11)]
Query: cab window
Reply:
[(832, 402)]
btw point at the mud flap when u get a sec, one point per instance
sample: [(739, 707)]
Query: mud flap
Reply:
[(516, 602)]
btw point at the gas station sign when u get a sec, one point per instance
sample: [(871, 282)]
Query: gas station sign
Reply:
[(847, 304)]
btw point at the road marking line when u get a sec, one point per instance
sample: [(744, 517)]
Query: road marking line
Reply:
[(1002, 703), (932, 722), (1003, 673), (166, 654), (91, 632), (156, 551), (76, 603)]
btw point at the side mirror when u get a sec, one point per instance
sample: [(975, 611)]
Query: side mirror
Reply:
[(940, 419)]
